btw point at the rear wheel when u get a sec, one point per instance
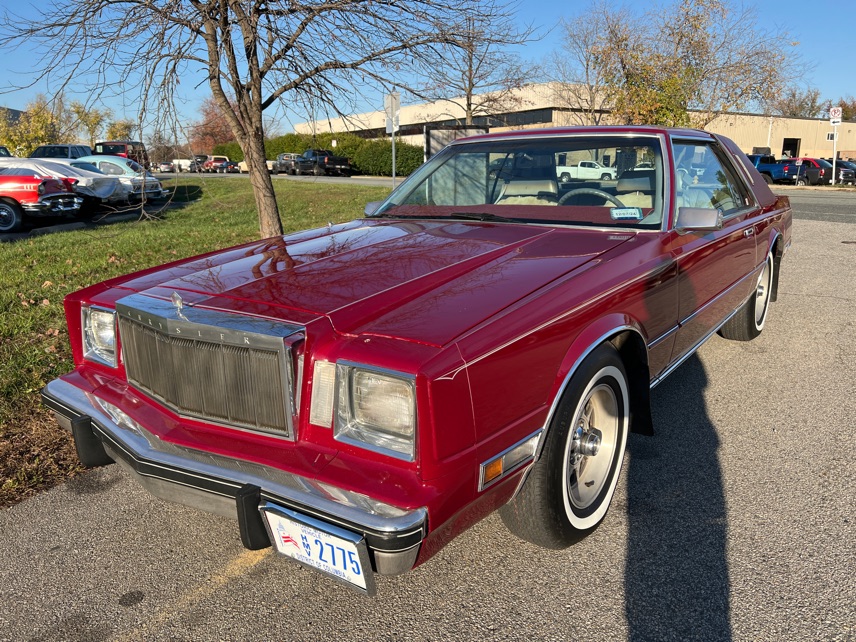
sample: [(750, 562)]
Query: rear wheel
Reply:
[(767, 179), (11, 216), (749, 320), (569, 489)]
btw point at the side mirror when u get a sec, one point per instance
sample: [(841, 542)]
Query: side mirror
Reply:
[(698, 219), (371, 207)]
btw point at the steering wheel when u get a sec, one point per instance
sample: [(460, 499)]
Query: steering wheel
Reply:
[(590, 190)]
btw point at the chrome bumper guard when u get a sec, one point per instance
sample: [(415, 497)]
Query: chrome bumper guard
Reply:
[(53, 204), (229, 487)]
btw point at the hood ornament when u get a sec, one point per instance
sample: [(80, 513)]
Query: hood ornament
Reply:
[(178, 304)]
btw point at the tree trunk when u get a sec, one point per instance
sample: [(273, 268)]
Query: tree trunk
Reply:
[(254, 155)]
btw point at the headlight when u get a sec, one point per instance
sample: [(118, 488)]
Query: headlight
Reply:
[(376, 409), (99, 335)]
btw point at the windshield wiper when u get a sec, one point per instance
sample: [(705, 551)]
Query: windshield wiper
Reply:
[(482, 216)]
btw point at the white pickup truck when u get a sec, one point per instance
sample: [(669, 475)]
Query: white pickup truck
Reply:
[(589, 170)]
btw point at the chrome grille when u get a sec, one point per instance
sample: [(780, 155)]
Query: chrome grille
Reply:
[(209, 365)]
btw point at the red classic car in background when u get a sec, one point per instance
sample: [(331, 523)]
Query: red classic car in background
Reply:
[(22, 194), (484, 339)]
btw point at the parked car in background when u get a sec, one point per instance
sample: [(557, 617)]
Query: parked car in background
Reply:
[(133, 149), (24, 196), (585, 170), (229, 167), (244, 168), (4, 152), (773, 170), (213, 162), (86, 181), (166, 166), (819, 171), (359, 394), (848, 166), (139, 182), (61, 151), (320, 162), (285, 163)]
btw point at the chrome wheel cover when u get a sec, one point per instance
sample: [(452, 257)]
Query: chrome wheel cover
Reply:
[(762, 294), (587, 472)]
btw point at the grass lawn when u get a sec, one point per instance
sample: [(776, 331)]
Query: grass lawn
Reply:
[(38, 272)]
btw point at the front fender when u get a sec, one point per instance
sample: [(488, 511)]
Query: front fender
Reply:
[(628, 337)]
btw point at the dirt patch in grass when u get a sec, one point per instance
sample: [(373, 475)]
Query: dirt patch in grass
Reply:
[(35, 454)]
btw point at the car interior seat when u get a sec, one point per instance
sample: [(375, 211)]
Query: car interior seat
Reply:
[(542, 191), (636, 188)]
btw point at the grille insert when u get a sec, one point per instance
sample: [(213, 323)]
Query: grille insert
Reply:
[(215, 372)]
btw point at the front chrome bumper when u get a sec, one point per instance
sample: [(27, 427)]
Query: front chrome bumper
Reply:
[(54, 204), (231, 487)]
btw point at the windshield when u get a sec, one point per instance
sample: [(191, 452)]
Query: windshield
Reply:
[(605, 181), (111, 148)]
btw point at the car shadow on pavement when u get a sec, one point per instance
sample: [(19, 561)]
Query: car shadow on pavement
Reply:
[(676, 572)]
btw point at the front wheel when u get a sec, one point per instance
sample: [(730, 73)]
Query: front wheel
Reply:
[(11, 216), (569, 489), (750, 318), (606, 177)]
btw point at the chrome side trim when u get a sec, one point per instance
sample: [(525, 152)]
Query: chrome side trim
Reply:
[(209, 482), (658, 380), (753, 273), (664, 336)]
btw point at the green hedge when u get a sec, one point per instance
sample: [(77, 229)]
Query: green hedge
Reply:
[(372, 157)]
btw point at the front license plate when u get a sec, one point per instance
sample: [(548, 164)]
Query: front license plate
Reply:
[(324, 547)]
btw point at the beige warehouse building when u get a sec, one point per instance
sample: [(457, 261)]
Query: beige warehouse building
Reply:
[(547, 105)]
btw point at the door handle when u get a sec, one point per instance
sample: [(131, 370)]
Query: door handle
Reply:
[(748, 232)]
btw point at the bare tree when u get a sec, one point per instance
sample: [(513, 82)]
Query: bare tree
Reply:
[(796, 102), (477, 73), (251, 54), (684, 63), (581, 85)]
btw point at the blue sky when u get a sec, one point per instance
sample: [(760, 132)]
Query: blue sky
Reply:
[(824, 30)]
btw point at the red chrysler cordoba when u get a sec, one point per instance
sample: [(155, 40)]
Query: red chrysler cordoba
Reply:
[(484, 339)]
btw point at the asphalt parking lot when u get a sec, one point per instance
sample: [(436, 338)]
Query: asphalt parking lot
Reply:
[(734, 522)]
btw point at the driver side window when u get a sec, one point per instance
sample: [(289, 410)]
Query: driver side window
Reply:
[(704, 181)]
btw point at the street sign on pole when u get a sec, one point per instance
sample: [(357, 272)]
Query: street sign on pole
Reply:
[(835, 121), (392, 107)]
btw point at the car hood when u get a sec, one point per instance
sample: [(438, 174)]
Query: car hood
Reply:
[(423, 281)]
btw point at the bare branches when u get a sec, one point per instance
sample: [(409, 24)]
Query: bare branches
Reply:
[(679, 65), (253, 54), (475, 71)]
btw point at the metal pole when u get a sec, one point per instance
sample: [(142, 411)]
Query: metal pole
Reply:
[(393, 153), (834, 150)]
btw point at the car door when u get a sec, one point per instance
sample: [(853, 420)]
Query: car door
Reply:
[(715, 268)]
